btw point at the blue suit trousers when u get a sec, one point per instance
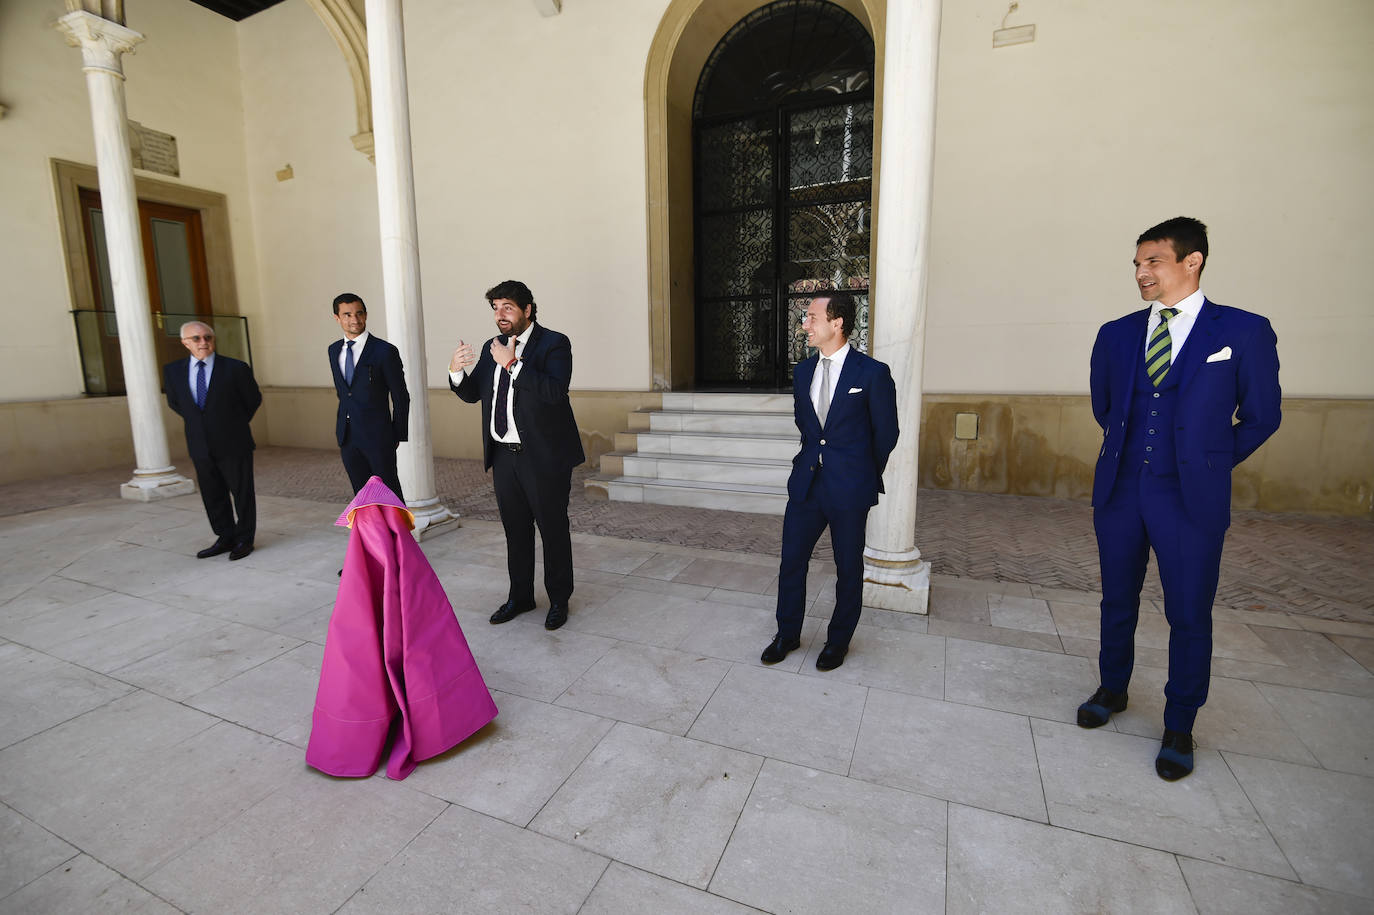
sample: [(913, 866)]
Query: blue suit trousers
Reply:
[(802, 525)]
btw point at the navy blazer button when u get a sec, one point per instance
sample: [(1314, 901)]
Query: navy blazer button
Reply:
[(822, 441), (1156, 394), (1149, 448), (1152, 432)]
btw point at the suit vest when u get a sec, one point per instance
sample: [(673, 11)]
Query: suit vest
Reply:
[(1150, 446)]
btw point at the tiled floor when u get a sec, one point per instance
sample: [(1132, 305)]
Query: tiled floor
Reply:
[(154, 709)]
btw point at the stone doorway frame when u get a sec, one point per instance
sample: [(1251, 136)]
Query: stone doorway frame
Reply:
[(688, 32)]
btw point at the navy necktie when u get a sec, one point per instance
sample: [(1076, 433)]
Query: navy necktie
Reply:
[(348, 363), (200, 384)]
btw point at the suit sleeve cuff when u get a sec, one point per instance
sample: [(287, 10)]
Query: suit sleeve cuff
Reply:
[(457, 377)]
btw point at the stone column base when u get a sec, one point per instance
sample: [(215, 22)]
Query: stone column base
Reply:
[(152, 485), (432, 519), (896, 581)]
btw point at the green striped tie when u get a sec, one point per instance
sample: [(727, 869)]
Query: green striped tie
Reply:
[(1160, 350)]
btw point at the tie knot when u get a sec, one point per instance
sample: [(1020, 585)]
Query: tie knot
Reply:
[(200, 363), (351, 342), (1167, 314)]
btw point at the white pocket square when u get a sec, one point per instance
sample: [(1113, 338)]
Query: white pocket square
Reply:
[(855, 390), (1220, 355)]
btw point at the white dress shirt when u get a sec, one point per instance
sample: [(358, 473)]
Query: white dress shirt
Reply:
[(512, 436), (358, 343), (1179, 325), (836, 364)]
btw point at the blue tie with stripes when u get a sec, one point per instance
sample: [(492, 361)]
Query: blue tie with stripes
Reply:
[(1159, 354)]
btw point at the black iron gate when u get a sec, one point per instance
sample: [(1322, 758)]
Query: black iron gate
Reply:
[(783, 192)]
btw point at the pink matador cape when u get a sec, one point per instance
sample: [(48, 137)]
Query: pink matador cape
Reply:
[(393, 646)]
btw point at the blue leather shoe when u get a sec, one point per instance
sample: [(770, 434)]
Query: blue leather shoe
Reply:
[(1103, 704), (1175, 758)]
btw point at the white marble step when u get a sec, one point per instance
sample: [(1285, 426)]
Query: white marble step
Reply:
[(719, 421), (707, 469), (733, 403), (737, 497), (702, 444)]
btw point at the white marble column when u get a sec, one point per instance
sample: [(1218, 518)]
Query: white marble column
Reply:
[(405, 320), (102, 43), (895, 576)]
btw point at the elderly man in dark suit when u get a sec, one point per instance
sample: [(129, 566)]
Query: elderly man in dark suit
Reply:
[(1184, 390), (367, 374), (216, 397), (845, 404), (530, 443)]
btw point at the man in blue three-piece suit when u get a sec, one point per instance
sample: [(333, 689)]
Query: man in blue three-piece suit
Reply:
[(1184, 391), (367, 374), (216, 397), (845, 405)]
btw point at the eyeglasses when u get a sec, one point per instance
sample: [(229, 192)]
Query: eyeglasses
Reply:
[(196, 338)]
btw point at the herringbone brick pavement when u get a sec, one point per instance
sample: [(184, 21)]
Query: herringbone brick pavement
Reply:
[(1316, 566)]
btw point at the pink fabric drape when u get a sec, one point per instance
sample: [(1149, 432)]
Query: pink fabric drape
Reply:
[(394, 646)]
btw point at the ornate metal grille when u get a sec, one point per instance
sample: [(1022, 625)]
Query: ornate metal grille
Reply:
[(783, 126)]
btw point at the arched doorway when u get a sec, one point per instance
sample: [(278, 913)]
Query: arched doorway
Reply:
[(782, 126)]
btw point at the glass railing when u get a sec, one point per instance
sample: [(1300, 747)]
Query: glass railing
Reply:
[(97, 339)]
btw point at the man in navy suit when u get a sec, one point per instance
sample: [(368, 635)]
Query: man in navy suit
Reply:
[(367, 374), (845, 405), (216, 396), (530, 443), (1166, 382)]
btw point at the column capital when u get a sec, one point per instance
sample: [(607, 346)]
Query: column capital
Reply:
[(101, 41)]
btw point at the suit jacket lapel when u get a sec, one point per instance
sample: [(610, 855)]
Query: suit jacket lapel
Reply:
[(840, 401), (1201, 342), (801, 378)]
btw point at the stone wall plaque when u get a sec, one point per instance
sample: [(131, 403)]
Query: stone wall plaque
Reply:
[(153, 151)]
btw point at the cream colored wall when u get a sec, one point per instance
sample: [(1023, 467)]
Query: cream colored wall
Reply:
[(182, 80), (1051, 157), (529, 164)]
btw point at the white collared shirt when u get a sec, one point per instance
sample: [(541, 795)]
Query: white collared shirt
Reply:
[(512, 436), (836, 364), (1179, 325), (209, 370), (358, 343)]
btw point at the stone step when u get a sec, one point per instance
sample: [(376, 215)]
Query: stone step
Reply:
[(719, 421), (732, 403), (737, 497), (699, 468), (701, 444)]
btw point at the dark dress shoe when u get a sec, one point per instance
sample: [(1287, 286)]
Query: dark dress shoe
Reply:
[(778, 649), (1175, 758), (240, 551), (509, 611), (220, 546), (831, 656), (558, 615), (1103, 704)]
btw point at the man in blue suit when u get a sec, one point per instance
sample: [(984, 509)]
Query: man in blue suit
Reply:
[(216, 397), (367, 374), (845, 405), (1184, 391)]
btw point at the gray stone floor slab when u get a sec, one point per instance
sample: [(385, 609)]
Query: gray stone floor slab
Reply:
[(1361, 649), (1237, 717), (136, 639), (45, 631), (1027, 613), (1001, 864), (42, 691), (809, 720), (50, 593), (637, 616), (530, 661), (27, 851), (465, 862), (654, 801), (83, 885), (626, 890), (810, 841), (135, 570), (1339, 730), (970, 755), (273, 698), (305, 848), (1310, 651), (735, 633), (736, 576), (908, 662), (1040, 684), (194, 665), (1104, 783), (1219, 890), (652, 687), (1323, 821), (511, 767)]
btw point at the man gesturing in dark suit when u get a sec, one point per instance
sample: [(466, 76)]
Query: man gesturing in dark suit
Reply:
[(530, 443), (1184, 391), (367, 373), (845, 405), (216, 397)]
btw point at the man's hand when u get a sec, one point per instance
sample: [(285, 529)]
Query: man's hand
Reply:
[(463, 358), (502, 354)]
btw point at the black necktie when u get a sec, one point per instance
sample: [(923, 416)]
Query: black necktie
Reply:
[(502, 396)]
